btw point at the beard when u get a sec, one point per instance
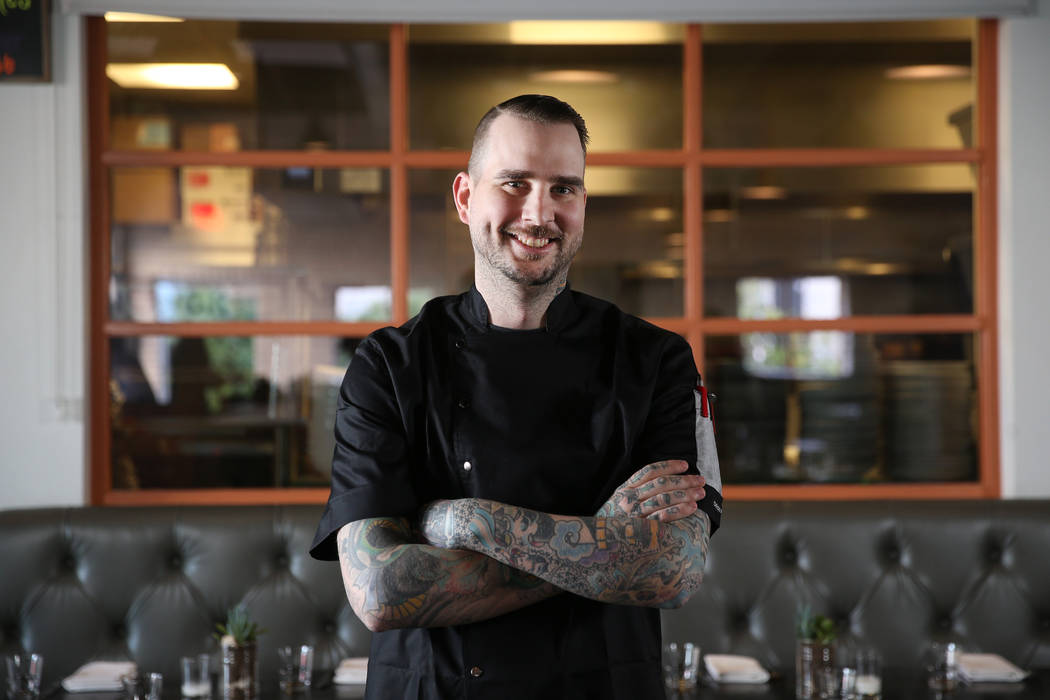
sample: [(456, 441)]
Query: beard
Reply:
[(496, 254)]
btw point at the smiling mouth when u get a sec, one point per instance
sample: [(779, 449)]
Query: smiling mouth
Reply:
[(527, 240)]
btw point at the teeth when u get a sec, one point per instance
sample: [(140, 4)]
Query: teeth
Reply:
[(533, 242)]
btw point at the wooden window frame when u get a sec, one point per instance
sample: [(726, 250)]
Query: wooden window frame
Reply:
[(691, 158)]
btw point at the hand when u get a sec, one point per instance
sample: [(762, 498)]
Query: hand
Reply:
[(437, 524), (658, 491)]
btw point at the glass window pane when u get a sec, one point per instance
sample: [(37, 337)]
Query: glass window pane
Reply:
[(838, 242), (230, 86), (634, 246), (871, 85), (625, 78), (832, 406), (632, 250), (224, 412), (203, 243)]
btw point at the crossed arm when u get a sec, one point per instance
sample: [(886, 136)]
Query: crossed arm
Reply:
[(646, 546)]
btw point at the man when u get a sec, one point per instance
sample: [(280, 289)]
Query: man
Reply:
[(510, 497)]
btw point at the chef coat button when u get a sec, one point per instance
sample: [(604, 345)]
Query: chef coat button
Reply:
[(464, 403), (467, 466), (476, 672)]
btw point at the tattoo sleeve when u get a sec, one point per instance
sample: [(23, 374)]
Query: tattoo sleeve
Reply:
[(392, 582), (626, 560)]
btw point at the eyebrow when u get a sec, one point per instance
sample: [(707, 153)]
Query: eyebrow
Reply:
[(528, 174)]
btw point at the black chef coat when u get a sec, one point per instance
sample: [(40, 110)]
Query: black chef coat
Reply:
[(552, 419)]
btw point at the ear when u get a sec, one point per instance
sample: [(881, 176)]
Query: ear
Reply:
[(461, 196)]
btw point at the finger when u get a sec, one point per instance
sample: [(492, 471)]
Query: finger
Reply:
[(671, 498), (657, 469), (664, 484), (675, 512)]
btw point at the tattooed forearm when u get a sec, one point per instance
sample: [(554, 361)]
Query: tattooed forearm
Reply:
[(392, 582), (634, 561)]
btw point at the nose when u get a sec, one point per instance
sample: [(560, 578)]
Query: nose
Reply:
[(538, 209)]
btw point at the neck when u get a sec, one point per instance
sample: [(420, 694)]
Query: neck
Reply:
[(516, 306)]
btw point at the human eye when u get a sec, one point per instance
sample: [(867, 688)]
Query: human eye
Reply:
[(563, 190)]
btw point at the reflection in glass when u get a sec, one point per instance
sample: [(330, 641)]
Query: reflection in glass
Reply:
[(204, 243), (870, 85), (838, 242), (224, 412), (231, 86), (630, 95), (632, 252), (836, 407)]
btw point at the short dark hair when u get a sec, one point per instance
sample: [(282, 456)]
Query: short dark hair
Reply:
[(538, 108)]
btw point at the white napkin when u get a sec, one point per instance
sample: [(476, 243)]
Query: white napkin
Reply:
[(351, 671), (730, 668), (98, 676), (988, 668)]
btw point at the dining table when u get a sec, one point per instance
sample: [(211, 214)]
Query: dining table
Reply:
[(897, 684)]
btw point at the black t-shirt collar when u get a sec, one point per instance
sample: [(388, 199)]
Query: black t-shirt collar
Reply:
[(559, 314)]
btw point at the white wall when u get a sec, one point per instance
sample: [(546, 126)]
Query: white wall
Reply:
[(43, 229), (1024, 235)]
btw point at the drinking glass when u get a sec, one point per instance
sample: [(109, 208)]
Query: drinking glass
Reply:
[(23, 676), (297, 664), (138, 687), (681, 665), (942, 666), (196, 676), (868, 683)]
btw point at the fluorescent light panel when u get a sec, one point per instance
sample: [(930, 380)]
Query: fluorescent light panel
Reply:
[(139, 17), (587, 32), (928, 72), (574, 76), (173, 76)]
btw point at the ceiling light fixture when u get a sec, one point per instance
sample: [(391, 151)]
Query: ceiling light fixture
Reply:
[(173, 76), (928, 72), (139, 17), (763, 192), (574, 76), (588, 32)]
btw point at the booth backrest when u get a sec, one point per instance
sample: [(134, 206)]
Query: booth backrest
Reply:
[(150, 584), (896, 575)]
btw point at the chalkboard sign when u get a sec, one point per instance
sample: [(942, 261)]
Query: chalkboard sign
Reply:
[(25, 40)]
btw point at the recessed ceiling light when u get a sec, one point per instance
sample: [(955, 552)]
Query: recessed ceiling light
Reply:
[(763, 192), (173, 76), (928, 72), (574, 76), (718, 216)]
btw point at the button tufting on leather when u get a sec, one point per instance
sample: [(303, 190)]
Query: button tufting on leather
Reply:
[(893, 554), (788, 556), (329, 627), (119, 630), (995, 554), (460, 345), (282, 560), (69, 563), (945, 623), (175, 561)]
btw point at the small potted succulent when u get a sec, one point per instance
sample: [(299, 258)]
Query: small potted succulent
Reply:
[(240, 662), (814, 650)]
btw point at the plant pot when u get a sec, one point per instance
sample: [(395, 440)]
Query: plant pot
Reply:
[(240, 672), (810, 658)]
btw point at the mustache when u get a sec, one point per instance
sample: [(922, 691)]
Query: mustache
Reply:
[(532, 231)]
